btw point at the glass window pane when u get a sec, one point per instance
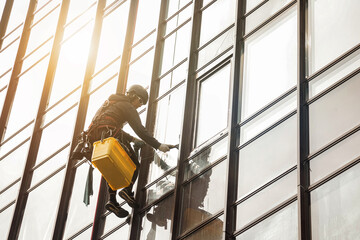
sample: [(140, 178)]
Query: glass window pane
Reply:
[(334, 114), (217, 47), (212, 23), (56, 135), (77, 7), (250, 4), (167, 130), (29, 87), (176, 48), (118, 234), (211, 231), (141, 70), (50, 166), (335, 73), (156, 224), (112, 221), (265, 200), (164, 185), (175, 5), (41, 209), (283, 225), (72, 63), (335, 209), (18, 14), (270, 67), (206, 157), (326, 16), (80, 215), (203, 197), (335, 157), (263, 13), (9, 195), (143, 46), (178, 19), (267, 118), (12, 166), (267, 157), (213, 104), (5, 219), (146, 20), (7, 57), (112, 38), (173, 78)]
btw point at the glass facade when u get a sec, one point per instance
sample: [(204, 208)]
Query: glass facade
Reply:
[(260, 96)]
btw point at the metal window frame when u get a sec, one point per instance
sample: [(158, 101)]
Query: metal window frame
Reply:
[(5, 20)]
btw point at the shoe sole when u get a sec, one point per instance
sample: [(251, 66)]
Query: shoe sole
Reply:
[(116, 211), (128, 199)]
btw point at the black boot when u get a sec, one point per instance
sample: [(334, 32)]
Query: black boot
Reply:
[(128, 196), (115, 208)]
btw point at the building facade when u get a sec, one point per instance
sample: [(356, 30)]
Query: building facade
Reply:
[(261, 96)]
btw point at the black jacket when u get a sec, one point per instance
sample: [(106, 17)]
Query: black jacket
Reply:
[(121, 111)]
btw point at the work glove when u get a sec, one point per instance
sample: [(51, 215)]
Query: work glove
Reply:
[(164, 148)]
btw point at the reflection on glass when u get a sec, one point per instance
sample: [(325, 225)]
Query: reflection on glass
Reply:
[(335, 157), (335, 73), (112, 38), (267, 118), (41, 209), (270, 67), (211, 231), (263, 13), (164, 185), (213, 105), (324, 17), (167, 129), (267, 157), (176, 48), (334, 114), (217, 47), (5, 219), (76, 207), (203, 197), (29, 87), (266, 199), (206, 158), (141, 70), (212, 23), (335, 209), (283, 225), (146, 20), (156, 224)]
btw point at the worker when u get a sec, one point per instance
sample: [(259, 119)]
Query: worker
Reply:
[(108, 121)]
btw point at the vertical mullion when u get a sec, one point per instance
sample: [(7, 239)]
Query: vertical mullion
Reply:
[(189, 116), (150, 120), (126, 54), (5, 19), (233, 155), (17, 68), (303, 193), (36, 134), (79, 124)]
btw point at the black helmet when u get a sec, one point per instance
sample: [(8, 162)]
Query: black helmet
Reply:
[(140, 92)]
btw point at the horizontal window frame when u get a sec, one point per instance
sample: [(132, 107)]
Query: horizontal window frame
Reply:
[(143, 39), (50, 157), (141, 55), (270, 19), (18, 131), (81, 231), (33, 65), (254, 9), (79, 15), (43, 17), (219, 56), (201, 225), (266, 215), (178, 12), (267, 107), (108, 11), (77, 31), (113, 230), (7, 46), (105, 82), (170, 91), (164, 175), (12, 31), (10, 185), (273, 126), (37, 48), (105, 67), (7, 206), (215, 37), (15, 148), (59, 116), (176, 29), (62, 99), (334, 86), (156, 202), (46, 179)]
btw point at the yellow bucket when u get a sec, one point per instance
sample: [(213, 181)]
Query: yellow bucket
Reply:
[(113, 162)]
